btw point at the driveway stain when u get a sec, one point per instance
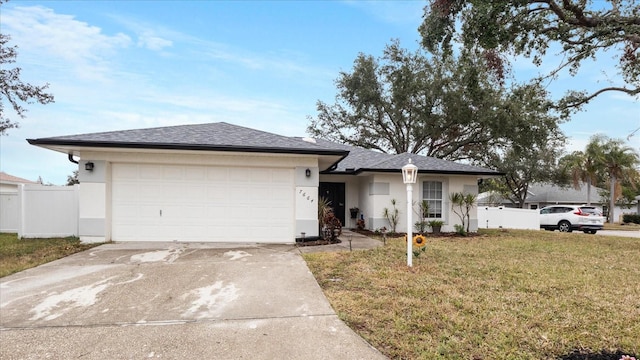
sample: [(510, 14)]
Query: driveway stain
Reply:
[(236, 255), (210, 300), (170, 255), (82, 296)]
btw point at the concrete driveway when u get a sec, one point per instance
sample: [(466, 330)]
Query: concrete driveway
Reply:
[(159, 300)]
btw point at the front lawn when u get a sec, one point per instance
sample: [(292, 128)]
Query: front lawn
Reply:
[(622, 226), (17, 255), (502, 295)]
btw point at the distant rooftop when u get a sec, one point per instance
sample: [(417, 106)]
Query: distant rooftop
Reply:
[(6, 178)]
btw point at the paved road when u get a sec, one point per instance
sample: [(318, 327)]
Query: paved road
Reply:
[(173, 301)]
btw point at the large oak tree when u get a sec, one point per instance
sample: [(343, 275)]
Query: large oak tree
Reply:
[(531, 27), (440, 106), (445, 106)]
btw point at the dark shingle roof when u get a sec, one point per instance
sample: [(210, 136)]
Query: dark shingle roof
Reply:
[(227, 137), (214, 136), (361, 160)]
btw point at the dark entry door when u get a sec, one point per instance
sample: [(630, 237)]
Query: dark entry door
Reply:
[(334, 192)]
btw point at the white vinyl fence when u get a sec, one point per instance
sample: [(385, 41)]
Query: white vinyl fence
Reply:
[(508, 218), (9, 212), (38, 211)]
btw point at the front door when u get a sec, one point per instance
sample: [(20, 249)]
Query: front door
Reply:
[(334, 192)]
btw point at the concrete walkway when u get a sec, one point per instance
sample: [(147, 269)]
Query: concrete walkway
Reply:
[(358, 242), (174, 300)]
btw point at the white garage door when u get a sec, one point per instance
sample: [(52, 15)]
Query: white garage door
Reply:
[(202, 203)]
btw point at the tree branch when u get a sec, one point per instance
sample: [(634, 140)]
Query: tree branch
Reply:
[(586, 99)]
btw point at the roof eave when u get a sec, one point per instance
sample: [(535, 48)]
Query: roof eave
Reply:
[(421, 171), (173, 146)]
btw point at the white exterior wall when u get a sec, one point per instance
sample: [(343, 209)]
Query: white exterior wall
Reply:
[(48, 211), (306, 198), (373, 190), (464, 184), (380, 189), (508, 218), (365, 202)]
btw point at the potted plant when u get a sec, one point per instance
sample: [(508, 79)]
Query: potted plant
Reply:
[(436, 226)]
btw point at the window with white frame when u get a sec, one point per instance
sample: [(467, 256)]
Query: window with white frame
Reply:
[(432, 193)]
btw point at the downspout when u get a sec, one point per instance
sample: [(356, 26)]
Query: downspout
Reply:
[(71, 159)]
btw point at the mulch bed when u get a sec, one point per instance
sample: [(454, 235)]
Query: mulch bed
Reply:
[(317, 242), (440, 235), (369, 233)]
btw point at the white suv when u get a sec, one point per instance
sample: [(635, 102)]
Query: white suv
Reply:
[(567, 218)]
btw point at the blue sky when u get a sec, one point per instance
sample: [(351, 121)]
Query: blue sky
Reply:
[(116, 65)]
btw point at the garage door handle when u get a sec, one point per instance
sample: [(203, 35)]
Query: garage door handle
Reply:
[(160, 212)]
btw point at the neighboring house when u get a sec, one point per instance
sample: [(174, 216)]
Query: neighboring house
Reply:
[(9, 207), (10, 183), (224, 183), (540, 195)]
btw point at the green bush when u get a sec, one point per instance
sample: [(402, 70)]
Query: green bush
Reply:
[(631, 218)]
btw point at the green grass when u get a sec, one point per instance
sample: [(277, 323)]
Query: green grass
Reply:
[(502, 295), (17, 255), (622, 226)]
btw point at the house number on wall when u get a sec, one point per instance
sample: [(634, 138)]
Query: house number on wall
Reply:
[(304, 195)]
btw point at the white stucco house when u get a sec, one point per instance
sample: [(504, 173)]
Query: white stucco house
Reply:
[(219, 182)]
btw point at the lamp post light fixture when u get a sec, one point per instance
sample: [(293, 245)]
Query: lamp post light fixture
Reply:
[(409, 177)]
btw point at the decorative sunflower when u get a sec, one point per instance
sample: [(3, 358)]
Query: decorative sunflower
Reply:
[(419, 241)]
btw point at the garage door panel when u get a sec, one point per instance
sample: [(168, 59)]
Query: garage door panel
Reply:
[(125, 171), (201, 203), (149, 172), (217, 174), (280, 178), (193, 193), (173, 173), (238, 175), (126, 190), (195, 213), (146, 193), (195, 173), (261, 175)]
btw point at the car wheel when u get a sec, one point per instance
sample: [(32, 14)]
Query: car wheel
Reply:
[(593, 231), (564, 226), (586, 231)]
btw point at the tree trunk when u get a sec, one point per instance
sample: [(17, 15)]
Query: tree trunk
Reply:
[(588, 191), (612, 191)]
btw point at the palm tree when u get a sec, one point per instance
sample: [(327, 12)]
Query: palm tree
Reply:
[(620, 162), (575, 164), (585, 166)]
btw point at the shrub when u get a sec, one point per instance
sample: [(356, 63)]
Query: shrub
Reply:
[(392, 216), (631, 218)]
